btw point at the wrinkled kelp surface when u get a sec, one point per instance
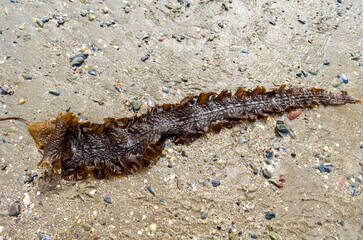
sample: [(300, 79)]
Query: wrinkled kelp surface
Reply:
[(123, 146)]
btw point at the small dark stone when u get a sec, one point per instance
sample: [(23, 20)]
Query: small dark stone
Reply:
[(1, 32), (299, 74), (304, 73), (61, 21), (270, 215), (108, 199), (4, 167), (204, 215), (45, 20), (216, 183), (221, 25), (179, 38), (31, 177), (219, 227), (269, 155), (253, 235), (143, 59), (301, 21), (14, 210), (272, 23), (184, 80), (342, 223), (293, 155), (339, 1), (326, 62), (322, 168), (183, 153)]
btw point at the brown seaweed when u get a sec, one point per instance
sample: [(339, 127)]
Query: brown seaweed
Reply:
[(124, 146)]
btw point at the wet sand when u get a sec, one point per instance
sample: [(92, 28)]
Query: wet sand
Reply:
[(206, 46)]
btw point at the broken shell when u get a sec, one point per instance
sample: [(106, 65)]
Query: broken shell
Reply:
[(281, 128), (78, 59)]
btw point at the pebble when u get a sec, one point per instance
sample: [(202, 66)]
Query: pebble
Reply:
[(60, 22), (293, 114), (272, 23), (216, 183), (22, 101), (40, 23), (253, 235), (27, 76), (269, 215), (180, 184), (204, 215), (135, 105), (74, 77), (152, 190), (323, 168), (107, 199), (105, 10), (31, 177), (344, 78), (266, 173), (301, 21), (92, 72), (86, 227), (274, 237), (84, 48), (127, 9), (254, 168), (326, 63), (166, 90), (14, 209), (269, 154), (21, 27), (84, 13), (152, 227), (5, 90), (91, 17), (78, 59), (55, 92), (143, 59)]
